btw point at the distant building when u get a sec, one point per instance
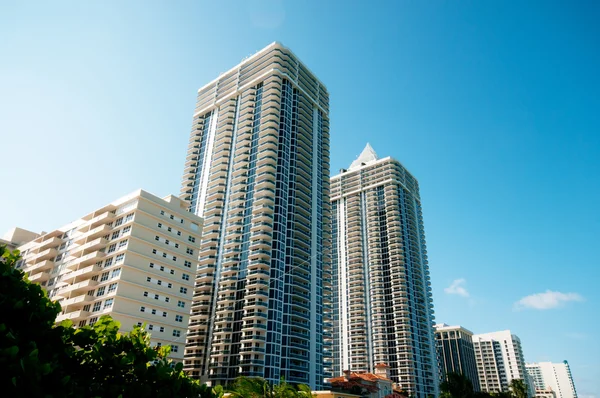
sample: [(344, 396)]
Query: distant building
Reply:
[(17, 237), (499, 357), (554, 376), (455, 351), (134, 259), (547, 393)]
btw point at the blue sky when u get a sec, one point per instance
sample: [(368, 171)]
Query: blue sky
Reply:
[(493, 106)]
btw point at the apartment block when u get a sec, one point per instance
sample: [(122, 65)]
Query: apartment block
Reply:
[(257, 171), (499, 357), (381, 285), (455, 352), (555, 377), (134, 259)]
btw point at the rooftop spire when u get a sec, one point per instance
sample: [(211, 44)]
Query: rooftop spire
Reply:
[(367, 155)]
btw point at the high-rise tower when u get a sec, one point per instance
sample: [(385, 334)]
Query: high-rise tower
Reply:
[(257, 171), (381, 287)]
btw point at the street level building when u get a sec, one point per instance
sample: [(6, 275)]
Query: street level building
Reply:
[(133, 259), (381, 283), (554, 376), (455, 352), (257, 171), (499, 357)]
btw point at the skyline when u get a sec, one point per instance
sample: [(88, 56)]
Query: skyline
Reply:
[(493, 112)]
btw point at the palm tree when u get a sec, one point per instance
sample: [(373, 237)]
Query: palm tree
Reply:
[(518, 388), (256, 387)]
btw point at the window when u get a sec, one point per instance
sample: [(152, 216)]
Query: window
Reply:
[(93, 320), (178, 318), (183, 290), (170, 285), (176, 245), (112, 248), (145, 294), (172, 272), (142, 309), (181, 221), (126, 229), (101, 291), (156, 296), (159, 344), (139, 323), (151, 265), (176, 333), (187, 264), (153, 251), (153, 311), (86, 307), (156, 238), (162, 212), (119, 222), (174, 258), (185, 277), (129, 217), (164, 255), (178, 233), (150, 327), (162, 329), (82, 323), (108, 262), (162, 268), (189, 251), (191, 239), (148, 279), (164, 314), (116, 273), (104, 276), (171, 217), (108, 303), (169, 229), (159, 225), (91, 292), (112, 287), (159, 282), (181, 304), (174, 348), (167, 299), (123, 243), (115, 234), (97, 306), (120, 258)]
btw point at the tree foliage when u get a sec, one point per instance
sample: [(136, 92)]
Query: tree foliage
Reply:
[(518, 388), (256, 387), (41, 359), (458, 385)]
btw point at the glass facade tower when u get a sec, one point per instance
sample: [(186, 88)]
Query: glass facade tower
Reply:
[(381, 285), (257, 171)]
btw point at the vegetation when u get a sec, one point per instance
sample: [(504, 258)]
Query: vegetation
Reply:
[(458, 385), (256, 387), (41, 359)]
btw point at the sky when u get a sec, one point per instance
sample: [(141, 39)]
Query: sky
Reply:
[(493, 106)]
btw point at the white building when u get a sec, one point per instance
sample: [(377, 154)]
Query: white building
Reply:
[(134, 259), (499, 357), (555, 376), (17, 237)]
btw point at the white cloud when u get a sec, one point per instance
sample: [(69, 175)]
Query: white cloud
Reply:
[(457, 287), (546, 300)]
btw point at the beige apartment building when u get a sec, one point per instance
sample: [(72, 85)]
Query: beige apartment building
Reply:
[(17, 237), (134, 259)]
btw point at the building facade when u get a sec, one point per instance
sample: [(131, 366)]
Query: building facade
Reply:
[(257, 171), (381, 284), (499, 357), (554, 376), (133, 259), (17, 237), (455, 352)]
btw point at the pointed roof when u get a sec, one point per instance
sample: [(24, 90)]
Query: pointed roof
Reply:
[(367, 155)]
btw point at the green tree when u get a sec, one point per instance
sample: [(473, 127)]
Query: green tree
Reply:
[(40, 359), (256, 387), (518, 388), (457, 385)]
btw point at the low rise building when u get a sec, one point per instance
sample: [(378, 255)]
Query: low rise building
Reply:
[(134, 259), (373, 385)]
